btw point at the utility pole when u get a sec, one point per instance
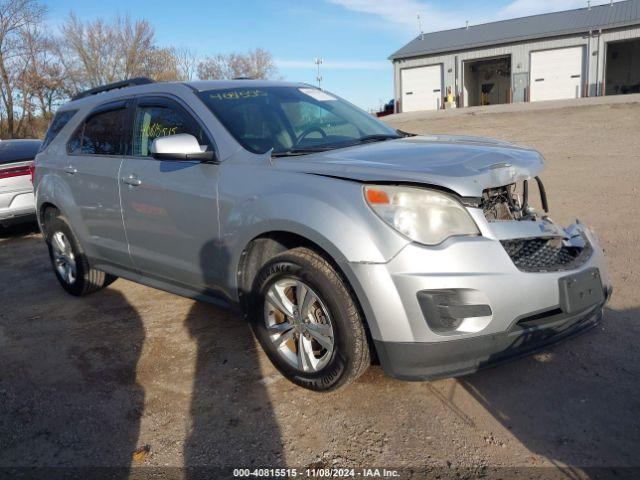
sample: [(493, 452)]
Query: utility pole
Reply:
[(318, 62)]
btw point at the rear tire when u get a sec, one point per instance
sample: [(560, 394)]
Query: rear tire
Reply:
[(69, 262), (308, 322)]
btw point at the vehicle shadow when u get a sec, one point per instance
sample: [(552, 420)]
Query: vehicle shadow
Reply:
[(68, 385), (575, 404), (232, 420), (70, 391)]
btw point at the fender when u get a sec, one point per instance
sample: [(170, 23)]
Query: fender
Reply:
[(330, 213)]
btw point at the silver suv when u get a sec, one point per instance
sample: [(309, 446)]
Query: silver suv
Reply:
[(342, 240)]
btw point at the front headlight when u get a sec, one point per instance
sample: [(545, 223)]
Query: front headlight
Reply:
[(425, 216)]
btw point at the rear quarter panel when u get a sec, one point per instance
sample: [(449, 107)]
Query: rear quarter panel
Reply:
[(50, 186)]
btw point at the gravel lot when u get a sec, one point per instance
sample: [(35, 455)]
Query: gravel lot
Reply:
[(86, 382)]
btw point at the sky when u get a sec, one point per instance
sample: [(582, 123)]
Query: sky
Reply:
[(353, 37)]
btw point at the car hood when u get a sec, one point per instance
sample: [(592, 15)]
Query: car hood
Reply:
[(465, 165)]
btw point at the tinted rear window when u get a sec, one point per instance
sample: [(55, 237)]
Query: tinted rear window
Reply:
[(58, 123), (101, 134), (18, 150)]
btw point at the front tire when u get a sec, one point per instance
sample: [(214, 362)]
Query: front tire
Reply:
[(69, 262), (307, 321)]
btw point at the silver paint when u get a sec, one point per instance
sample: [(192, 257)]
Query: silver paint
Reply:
[(183, 226)]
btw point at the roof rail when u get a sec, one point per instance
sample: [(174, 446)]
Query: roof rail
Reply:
[(132, 82), (243, 78)]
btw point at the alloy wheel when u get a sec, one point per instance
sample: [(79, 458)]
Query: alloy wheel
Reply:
[(63, 258), (299, 325)]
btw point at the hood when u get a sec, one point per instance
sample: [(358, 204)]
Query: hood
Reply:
[(466, 165)]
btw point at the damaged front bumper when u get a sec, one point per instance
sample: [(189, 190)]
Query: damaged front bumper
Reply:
[(419, 361), (471, 302)]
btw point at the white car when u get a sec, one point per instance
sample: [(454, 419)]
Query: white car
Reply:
[(16, 189)]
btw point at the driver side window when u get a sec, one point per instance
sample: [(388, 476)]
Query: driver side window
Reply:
[(305, 116), (161, 120)]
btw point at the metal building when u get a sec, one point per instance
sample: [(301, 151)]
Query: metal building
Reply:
[(590, 51)]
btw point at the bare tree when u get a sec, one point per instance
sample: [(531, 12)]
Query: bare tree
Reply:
[(214, 68), (99, 52), (42, 79), (256, 63), (186, 62), (160, 64), (16, 18), (38, 70)]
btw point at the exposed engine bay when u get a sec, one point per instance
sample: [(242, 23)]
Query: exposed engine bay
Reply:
[(511, 202), (553, 249)]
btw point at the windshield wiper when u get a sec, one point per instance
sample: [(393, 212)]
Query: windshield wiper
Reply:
[(406, 134), (306, 151), (300, 151), (381, 137)]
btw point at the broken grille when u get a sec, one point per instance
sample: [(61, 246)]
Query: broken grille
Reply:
[(546, 254)]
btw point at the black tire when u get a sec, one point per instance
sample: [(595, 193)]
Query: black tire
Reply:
[(351, 356), (87, 279)]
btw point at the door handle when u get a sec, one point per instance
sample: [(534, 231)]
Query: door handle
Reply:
[(70, 170), (132, 180)]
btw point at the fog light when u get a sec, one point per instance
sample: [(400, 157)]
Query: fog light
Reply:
[(455, 310)]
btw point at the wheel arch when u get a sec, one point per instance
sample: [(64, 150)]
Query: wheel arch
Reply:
[(266, 245), (44, 210)]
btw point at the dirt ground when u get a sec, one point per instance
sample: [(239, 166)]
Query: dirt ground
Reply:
[(84, 382)]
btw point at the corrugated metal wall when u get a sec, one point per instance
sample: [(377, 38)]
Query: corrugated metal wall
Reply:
[(593, 75)]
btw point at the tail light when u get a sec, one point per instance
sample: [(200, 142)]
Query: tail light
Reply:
[(8, 172), (32, 170)]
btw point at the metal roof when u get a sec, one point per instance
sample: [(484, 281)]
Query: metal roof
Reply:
[(582, 20)]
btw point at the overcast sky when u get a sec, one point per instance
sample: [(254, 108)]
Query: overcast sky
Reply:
[(354, 37)]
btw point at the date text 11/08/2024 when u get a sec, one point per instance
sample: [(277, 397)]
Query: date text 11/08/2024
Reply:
[(316, 473)]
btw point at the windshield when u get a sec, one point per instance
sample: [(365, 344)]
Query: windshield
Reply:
[(292, 120)]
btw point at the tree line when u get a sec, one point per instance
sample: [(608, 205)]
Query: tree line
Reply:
[(40, 69)]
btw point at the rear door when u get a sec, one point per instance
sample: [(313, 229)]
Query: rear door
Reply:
[(169, 206), (91, 169), (421, 88), (556, 74)]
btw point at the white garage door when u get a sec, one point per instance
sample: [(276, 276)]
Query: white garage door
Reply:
[(556, 74), (421, 88)]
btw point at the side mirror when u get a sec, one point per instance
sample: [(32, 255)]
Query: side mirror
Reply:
[(180, 147)]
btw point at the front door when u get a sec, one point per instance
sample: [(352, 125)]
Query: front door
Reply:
[(169, 206)]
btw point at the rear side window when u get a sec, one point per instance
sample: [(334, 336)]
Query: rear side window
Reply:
[(58, 123), (101, 134)]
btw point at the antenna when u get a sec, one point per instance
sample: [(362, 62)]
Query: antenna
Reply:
[(420, 26), (318, 62), (589, 4), (467, 25)]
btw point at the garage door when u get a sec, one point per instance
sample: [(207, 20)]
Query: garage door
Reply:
[(421, 88), (556, 74)]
